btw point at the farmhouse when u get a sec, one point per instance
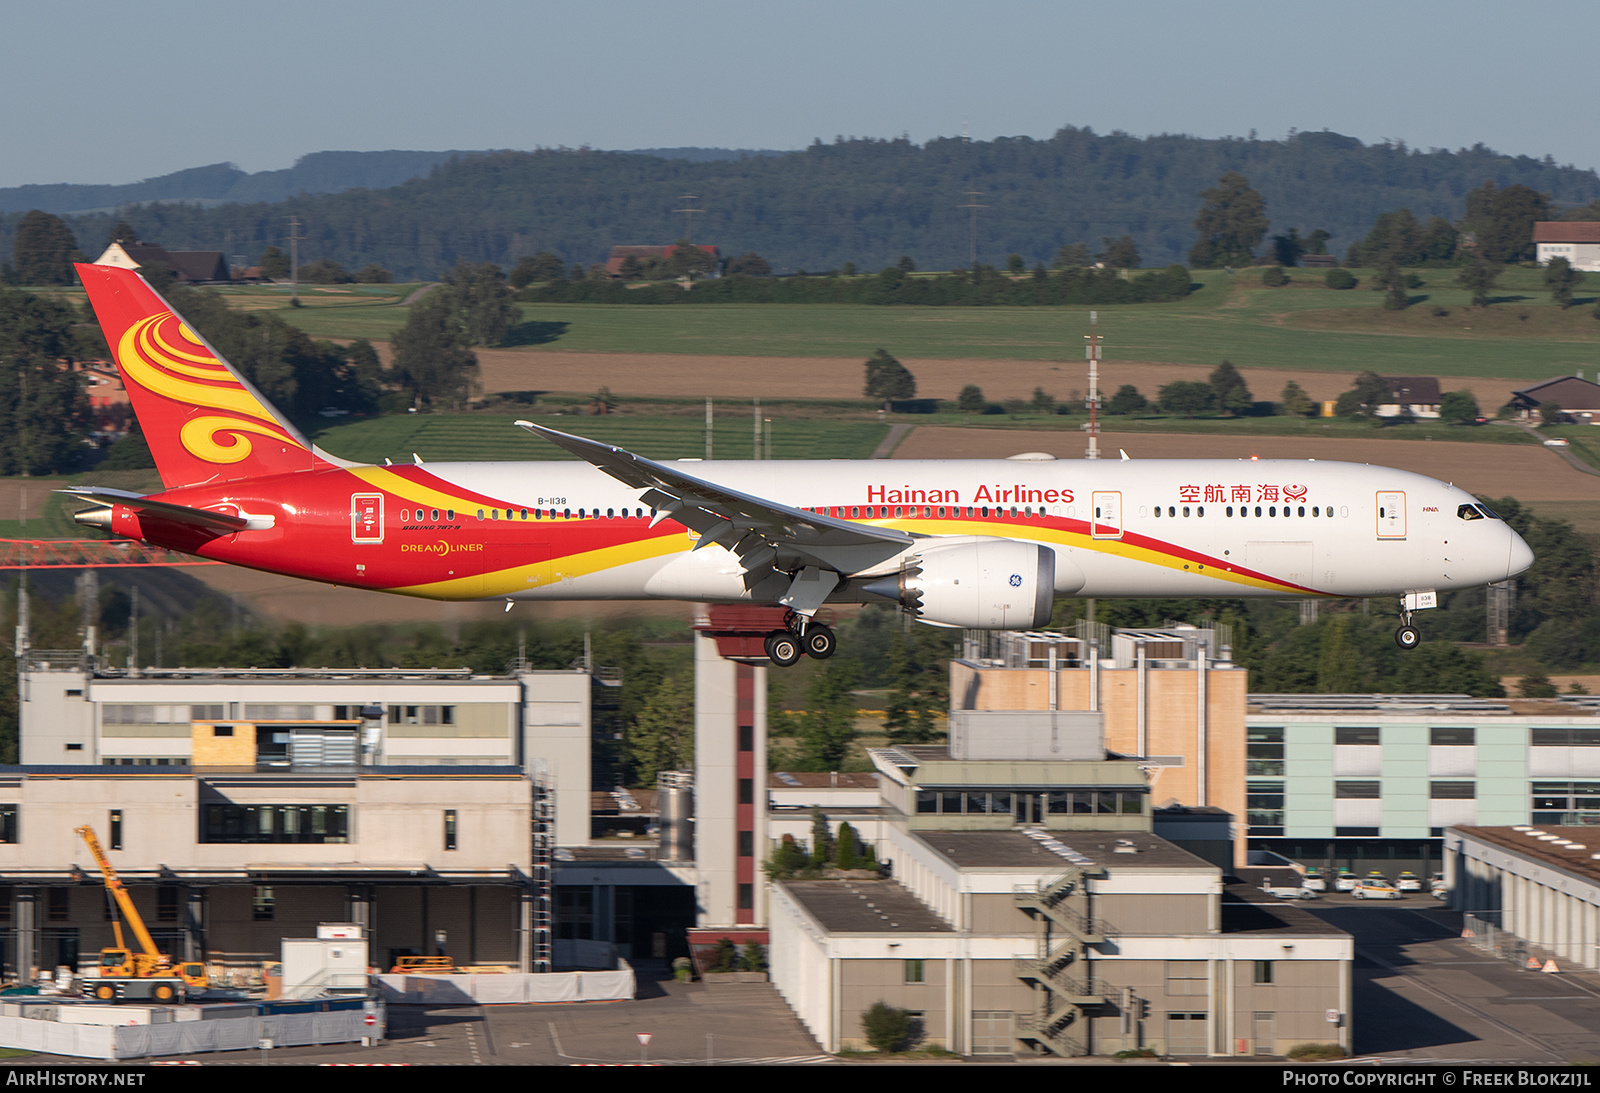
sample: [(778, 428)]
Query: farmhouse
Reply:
[(192, 266), (1578, 241), (1578, 399), (1410, 396), (639, 254)]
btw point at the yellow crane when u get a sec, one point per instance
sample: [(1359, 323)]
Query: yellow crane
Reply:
[(147, 975)]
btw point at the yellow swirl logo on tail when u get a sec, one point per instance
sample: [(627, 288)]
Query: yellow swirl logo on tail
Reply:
[(162, 355)]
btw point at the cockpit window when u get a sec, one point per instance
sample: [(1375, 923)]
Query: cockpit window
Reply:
[(1469, 512), (1487, 511)]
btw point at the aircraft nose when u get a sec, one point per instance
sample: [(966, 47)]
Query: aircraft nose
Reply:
[(1519, 557)]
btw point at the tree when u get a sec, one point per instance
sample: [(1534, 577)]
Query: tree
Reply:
[(1479, 278), (1233, 394), (485, 304), (661, 736), (1073, 256), (1367, 393), (1186, 398), (1395, 236), (829, 724), (431, 360), (1127, 400), (749, 264), (1287, 249), (906, 264), (373, 274), (885, 1027), (1439, 242), (1120, 253), (919, 673), (122, 233), (1274, 277), (970, 400), (325, 271), (45, 250), (273, 264), (1296, 401), (887, 378), (543, 266), (1317, 242), (1339, 279), (688, 260), (1460, 407), (1231, 223), (43, 406), (1560, 278), (1043, 402), (1015, 264), (1393, 282), (1502, 221)]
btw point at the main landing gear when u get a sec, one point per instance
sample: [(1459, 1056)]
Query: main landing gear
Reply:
[(800, 637)]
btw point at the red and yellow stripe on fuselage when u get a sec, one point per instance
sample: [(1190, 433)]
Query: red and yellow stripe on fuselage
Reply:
[(315, 535)]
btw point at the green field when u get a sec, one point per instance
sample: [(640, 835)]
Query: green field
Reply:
[(439, 437), (1300, 326)]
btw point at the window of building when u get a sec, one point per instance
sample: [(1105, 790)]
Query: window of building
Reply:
[(1357, 791), (1356, 734), (747, 844), (263, 905), (1186, 978), (166, 903), (1264, 752), (747, 738), (275, 824), (1564, 738), (8, 823), (1263, 971), (1452, 791), (747, 791), (1264, 807), (58, 905), (422, 715), (449, 829), (915, 972), (747, 897), (1566, 803), (115, 832), (222, 730), (1453, 736), (575, 913)]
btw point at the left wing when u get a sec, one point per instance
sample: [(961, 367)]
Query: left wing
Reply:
[(762, 533)]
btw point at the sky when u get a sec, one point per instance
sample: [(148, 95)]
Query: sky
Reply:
[(117, 92)]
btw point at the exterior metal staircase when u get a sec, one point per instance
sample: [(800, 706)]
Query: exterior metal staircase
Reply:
[(1061, 973)]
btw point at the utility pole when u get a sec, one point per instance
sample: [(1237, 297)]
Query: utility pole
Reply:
[(757, 454), (294, 261), (688, 211), (1092, 350), (972, 203), (708, 427)]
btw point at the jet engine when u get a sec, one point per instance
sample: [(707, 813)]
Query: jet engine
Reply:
[(993, 584)]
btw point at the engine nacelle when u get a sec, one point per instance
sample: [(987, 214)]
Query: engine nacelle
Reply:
[(995, 584)]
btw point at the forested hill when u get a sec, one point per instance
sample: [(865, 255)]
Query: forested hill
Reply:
[(861, 201), (318, 173)]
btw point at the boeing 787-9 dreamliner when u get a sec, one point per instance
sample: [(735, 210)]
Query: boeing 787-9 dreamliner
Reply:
[(984, 544)]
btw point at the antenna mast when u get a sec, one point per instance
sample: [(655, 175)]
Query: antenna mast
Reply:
[(1092, 351)]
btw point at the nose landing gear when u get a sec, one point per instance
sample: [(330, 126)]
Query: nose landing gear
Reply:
[(1407, 637)]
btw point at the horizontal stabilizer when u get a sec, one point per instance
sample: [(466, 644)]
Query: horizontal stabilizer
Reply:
[(166, 510)]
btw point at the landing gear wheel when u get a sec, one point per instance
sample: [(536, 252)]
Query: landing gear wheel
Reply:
[(819, 642), (783, 648), (1407, 637)]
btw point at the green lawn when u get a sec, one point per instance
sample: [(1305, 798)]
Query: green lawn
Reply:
[(1303, 325), (439, 437)]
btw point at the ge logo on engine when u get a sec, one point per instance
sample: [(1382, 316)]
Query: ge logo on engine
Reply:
[(1016, 580)]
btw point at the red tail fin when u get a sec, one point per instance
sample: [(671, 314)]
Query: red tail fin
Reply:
[(204, 421)]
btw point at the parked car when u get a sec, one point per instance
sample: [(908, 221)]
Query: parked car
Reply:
[(1408, 881), (1314, 880), (1346, 881), (1377, 889), (1437, 888), (1557, 442), (1289, 891)]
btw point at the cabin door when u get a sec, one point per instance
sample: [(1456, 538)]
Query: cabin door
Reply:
[(1106, 520), (1391, 514)]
